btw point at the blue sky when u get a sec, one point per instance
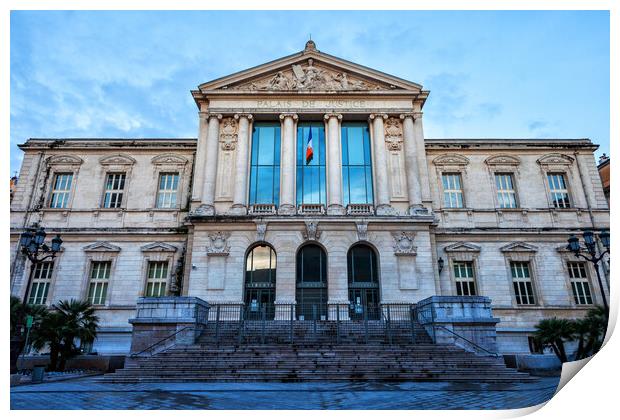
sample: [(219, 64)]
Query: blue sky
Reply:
[(128, 74)]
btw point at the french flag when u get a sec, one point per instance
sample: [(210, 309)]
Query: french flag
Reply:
[(309, 151)]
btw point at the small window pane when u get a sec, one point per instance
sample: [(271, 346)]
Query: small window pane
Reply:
[(61, 190), (452, 190), (167, 193), (523, 288)]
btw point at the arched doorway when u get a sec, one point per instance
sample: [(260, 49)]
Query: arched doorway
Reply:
[(363, 276), (260, 282), (311, 283)]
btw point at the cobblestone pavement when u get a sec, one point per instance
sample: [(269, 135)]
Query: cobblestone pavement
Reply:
[(92, 394)]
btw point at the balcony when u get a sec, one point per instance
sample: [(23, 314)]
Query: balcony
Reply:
[(262, 209), (311, 209), (360, 210)]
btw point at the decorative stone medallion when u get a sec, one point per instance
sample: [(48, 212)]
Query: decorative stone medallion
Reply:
[(219, 244), (403, 243)]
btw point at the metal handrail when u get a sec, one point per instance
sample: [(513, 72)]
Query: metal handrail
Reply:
[(160, 341), (469, 341)]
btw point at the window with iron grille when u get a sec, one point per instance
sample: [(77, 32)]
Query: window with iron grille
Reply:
[(167, 191), (114, 187), (157, 277), (99, 277), (558, 190), (41, 283), (452, 190), (506, 194), (522, 283), (464, 277), (61, 190), (579, 283)]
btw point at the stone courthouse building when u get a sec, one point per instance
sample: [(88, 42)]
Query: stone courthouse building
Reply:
[(311, 182)]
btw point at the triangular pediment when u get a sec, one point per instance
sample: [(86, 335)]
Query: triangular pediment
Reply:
[(101, 247), (519, 247), (462, 247), (310, 71), (158, 247)]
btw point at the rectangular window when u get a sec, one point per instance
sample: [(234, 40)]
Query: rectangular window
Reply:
[(579, 283), (559, 191), (506, 194), (464, 276), (522, 283), (265, 164), (356, 164), (452, 190), (41, 283), (61, 190), (114, 187), (99, 276), (167, 191), (311, 187), (157, 276)]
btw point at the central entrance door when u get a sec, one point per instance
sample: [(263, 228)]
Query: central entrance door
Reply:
[(260, 282), (363, 283), (311, 283)]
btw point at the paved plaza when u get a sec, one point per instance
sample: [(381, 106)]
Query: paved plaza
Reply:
[(92, 394)]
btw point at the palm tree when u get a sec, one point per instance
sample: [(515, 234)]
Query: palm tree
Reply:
[(19, 312), (590, 332), (552, 333), (70, 321)]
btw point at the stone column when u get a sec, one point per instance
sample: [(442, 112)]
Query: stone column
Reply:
[(241, 167), (411, 162), (210, 166), (382, 197), (334, 165), (199, 163), (421, 155), (287, 165)]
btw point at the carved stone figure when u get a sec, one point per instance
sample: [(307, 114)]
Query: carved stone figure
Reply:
[(312, 232), (261, 229), (362, 230)]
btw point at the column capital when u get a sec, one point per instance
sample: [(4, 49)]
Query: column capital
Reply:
[(414, 115), (243, 115), (210, 115), (289, 114), (382, 116), (332, 115)]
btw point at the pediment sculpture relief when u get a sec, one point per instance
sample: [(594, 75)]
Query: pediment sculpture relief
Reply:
[(310, 77)]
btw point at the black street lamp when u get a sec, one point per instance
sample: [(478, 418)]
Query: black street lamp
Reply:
[(590, 244), (32, 244)]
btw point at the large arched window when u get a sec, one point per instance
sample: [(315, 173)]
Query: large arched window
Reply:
[(265, 164), (363, 274), (356, 164), (311, 283), (311, 164), (260, 281)]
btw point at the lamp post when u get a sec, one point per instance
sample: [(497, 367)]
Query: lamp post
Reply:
[(590, 245), (32, 245)]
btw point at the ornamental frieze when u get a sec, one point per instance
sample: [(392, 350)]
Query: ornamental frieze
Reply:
[(403, 243), (393, 134), (228, 134)]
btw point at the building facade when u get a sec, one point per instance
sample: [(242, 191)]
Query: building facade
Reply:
[(311, 183)]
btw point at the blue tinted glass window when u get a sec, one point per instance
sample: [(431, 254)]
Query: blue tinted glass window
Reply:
[(311, 172), (356, 164), (265, 164)]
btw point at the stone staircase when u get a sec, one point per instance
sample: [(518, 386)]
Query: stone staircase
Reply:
[(392, 354)]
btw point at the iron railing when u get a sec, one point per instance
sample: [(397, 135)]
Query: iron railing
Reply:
[(159, 346), (310, 323), (426, 317)]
